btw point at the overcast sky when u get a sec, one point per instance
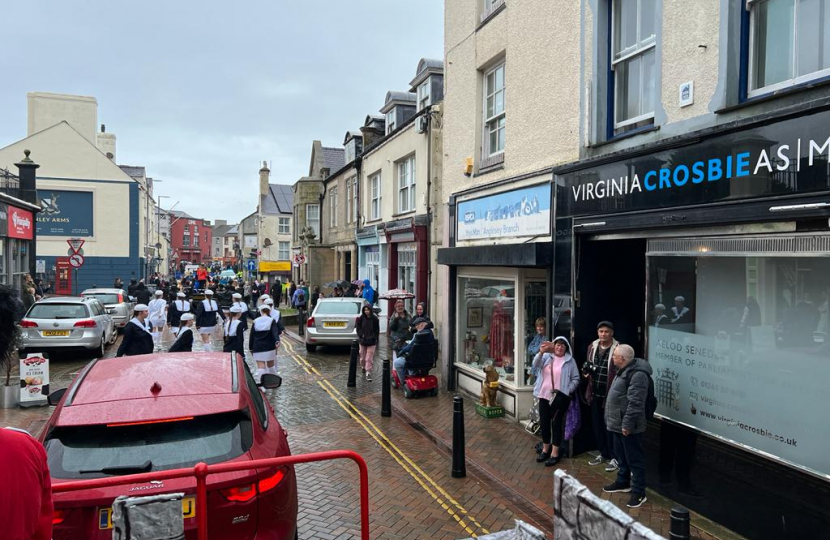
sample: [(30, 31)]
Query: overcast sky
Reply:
[(200, 92)]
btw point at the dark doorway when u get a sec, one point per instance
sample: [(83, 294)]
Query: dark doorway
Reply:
[(348, 264)]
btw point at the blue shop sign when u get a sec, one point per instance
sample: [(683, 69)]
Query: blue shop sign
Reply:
[(520, 212), (65, 213)]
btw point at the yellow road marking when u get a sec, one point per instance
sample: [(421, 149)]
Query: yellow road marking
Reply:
[(397, 454)]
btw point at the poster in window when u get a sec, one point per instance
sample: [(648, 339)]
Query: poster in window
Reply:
[(475, 317), (65, 213)]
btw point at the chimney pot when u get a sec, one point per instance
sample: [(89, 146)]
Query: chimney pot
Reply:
[(103, 128)]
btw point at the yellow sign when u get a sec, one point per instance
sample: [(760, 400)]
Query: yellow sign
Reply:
[(274, 266)]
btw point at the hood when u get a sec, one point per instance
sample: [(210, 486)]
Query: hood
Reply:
[(568, 354), (366, 283), (263, 323), (641, 364)]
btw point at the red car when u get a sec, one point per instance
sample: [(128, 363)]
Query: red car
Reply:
[(164, 411)]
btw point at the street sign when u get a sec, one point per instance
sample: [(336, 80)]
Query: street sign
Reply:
[(76, 260), (251, 266), (40, 266), (69, 252), (75, 244)]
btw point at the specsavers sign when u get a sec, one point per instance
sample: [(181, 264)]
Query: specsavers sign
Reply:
[(274, 266)]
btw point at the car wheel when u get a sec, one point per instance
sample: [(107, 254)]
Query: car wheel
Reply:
[(409, 394), (310, 348), (99, 353)]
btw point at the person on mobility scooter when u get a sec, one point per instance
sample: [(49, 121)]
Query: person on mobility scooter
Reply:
[(414, 361)]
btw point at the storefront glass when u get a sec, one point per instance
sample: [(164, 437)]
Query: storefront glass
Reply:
[(536, 308), (406, 271), (3, 277), (19, 261), (740, 347), (486, 315)]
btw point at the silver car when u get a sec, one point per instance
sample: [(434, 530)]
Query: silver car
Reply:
[(67, 323), (333, 322), (116, 302)]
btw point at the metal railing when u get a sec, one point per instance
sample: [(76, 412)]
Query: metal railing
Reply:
[(9, 183), (201, 471)]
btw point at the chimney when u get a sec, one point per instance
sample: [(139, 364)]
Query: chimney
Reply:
[(264, 176)]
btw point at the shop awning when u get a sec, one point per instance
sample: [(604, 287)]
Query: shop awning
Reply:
[(537, 254)]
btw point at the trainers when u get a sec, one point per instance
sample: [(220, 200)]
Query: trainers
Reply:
[(636, 500), (612, 466), (596, 461), (617, 487), (368, 376)]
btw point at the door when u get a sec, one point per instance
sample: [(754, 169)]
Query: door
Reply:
[(63, 276)]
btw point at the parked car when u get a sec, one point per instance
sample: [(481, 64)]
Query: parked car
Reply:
[(116, 302), (67, 323), (206, 408), (333, 322)]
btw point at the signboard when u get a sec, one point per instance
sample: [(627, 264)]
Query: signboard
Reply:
[(780, 158), (744, 396), (251, 266), (34, 379), (274, 266), (517, 213), (20, 223), (76, 260), (75, 244), (40, 266), (250, 241), (65, 213)]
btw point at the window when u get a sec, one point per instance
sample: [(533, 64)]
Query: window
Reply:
[(489, 6), (486, 315), (390, 121), (350, 151), (186, 229), (633, 62), (256, 397), (424, 95), (333, 207), (19, 260), (789, 43), (407, 262), (195, 229), (312, 218), (494, 115), (195, 240), (349, 201), (406, 185), (374, 182), (283, 251), (284, 225), (186, 240), (373, 265)]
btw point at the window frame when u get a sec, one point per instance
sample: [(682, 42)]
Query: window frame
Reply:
[(641, 48), (283, 254), (375, 196), (284, 225), (424, 94), (391, 120), (487, 152), (406, 183), (333, 207), (350, 200), (309, 221), (488, 7)]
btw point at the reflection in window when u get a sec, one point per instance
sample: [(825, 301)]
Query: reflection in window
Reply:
[(485, 323), (536, 328)]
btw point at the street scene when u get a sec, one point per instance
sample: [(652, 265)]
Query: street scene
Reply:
[(507, 269)]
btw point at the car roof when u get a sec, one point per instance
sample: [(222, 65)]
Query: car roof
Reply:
[(119, 389), (100, 290), (63, 300), (342, 299)]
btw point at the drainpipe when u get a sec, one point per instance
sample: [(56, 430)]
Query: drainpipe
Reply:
[(429, 207)]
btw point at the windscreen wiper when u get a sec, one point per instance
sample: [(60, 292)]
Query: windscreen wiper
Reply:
[(122, 469)]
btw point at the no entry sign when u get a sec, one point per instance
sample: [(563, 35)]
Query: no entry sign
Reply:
[(76, 260)]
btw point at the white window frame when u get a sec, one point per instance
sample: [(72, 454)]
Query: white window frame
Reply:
[(284, 225), (350, 151), (489, 6), (375, 196), (283, 251), (333, 207), (313, 222), (407, 271), (495, 118), (640, 49), (391, 123), (405, 169), (350, 208), (751, 6), (424, 94)]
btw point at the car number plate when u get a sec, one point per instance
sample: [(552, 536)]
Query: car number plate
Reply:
[(334, 324), (105, 514), (56, 333)]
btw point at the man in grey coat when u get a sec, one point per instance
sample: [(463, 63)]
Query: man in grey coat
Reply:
[(625, 418)]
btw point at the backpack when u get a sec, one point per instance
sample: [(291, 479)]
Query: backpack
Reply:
[(301, 298), (374, 296), (651, 398)]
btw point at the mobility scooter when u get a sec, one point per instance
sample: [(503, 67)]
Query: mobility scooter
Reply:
[(419, 361)]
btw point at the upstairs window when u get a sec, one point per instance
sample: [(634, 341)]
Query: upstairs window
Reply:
[(284, 225), (312, 218), (350, 151), (634, 40), (333, 207), (374, 183), (390, 122), (350, 208), (406, 185), (489, 6), (494, 114), (789, 43), (283, 251), (424, 95)]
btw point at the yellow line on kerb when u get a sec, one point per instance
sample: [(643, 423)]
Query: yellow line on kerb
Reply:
[(392, 449)]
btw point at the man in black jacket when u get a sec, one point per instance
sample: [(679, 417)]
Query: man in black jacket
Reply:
[(142, 295)]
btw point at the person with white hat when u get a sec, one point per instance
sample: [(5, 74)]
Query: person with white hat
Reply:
[(263, 342), (174, 313), (275, 314), (158, 315), (206, 318), (243, 318), (184, 339), (137, 337), (261, 301), (234, 331)]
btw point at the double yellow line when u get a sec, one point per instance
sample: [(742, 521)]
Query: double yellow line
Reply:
[(450, 505)]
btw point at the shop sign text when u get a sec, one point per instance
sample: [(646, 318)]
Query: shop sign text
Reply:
[(521, 212)]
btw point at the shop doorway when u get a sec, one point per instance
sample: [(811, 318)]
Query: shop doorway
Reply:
[(610, 285), (63, 277)]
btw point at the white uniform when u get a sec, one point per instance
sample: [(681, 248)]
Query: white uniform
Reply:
[(183, 306), (157, 315)]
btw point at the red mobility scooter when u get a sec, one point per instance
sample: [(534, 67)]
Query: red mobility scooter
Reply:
[(420, 359)]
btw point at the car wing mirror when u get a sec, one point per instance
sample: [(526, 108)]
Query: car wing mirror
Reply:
[(110, 311), (270, 381), (55, 397)]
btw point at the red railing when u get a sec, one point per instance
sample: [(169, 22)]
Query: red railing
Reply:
[(201, 472)]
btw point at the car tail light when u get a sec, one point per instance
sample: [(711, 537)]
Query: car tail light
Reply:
[(28, 324), (267, 484), (120, 298), (310, 322), (88, 323), (58, 516), (249, 491)]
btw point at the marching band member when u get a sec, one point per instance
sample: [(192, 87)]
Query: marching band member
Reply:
[(158, 309), (243, 318), (206, 318), (265, 335), (235, 332), (184, 339), (137, 337), (176, 310)]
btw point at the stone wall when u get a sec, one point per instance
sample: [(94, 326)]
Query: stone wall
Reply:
[(581, 515)]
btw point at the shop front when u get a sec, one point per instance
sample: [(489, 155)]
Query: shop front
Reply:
[(408, 260), (275, 270), (712, 259), (372, 255), (500, 268), (16, 241)]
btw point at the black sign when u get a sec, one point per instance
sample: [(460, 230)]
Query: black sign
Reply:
[(787, 157)]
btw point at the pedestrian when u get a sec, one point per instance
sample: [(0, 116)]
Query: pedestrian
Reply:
[(201, 277), (262, 341), (421, 310), (292, 288), (206, 318), (176, 310), (315, 297), (298, 300), (423, 336), (184, 334), (276, 291), (243, 307), (234, 332), (39, 293), (262, 299), (158, 316), (137, 337), (27, 295), (398, 330), (368, 332), (625, 418), (599, 371), (118, 284), (557, 380), (142, 295), (132, 288), (368, 292)]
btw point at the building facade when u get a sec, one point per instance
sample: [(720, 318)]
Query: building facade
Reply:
[(190, 239), (274, 214)]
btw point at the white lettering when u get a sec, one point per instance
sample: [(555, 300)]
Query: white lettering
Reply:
[(821, 149), (589, 191), (763, 161), (785, 159), (635, 184), (577, 190)]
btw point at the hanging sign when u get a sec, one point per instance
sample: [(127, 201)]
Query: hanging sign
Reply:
[(20, 223), (34, 379)]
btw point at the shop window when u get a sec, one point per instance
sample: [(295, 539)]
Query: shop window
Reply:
[(740, 348), (407, 256), (20, 261), (373, 265), (633, 62), (486, 314), (789, 43), (536, 309)]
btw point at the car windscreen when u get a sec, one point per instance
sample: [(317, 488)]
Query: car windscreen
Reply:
[(337, 308), (58, 311), (101, 450), (104, 298)]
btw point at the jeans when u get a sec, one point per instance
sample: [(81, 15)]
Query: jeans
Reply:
[(602, 435), (367, 356), (398, 362), (629, 454)]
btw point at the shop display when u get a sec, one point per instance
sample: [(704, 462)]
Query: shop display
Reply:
[(490, 387), (501, 334)]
